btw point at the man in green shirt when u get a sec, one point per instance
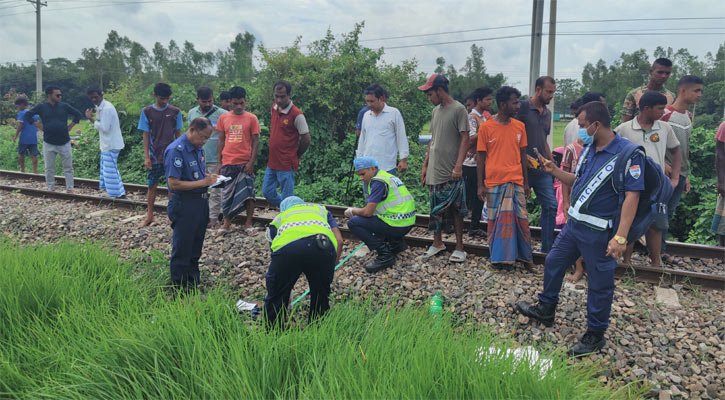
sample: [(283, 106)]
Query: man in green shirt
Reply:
[(659, 73), (207, 109)]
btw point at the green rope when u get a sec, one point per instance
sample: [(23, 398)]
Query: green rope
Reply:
[(336, 267)]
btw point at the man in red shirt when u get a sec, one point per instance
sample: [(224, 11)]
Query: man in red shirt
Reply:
[(236, 154), (289, 138)]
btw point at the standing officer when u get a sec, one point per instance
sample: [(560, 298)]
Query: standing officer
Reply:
[(388, 216), (304, 239), (589, 231), (188, 207)]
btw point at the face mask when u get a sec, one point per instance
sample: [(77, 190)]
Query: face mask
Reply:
[(584, 136)]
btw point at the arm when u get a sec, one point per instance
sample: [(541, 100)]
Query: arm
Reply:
[(480, 173), (629, 208), (177, 184), (424, 169), (249, 168), (720, 166), (338, 236), (303, 145), (566, 178), (629, 107), (676, 164), (18, 129), (401, 139), (548, 151), (75, 114), (220, 147), (462, 150), (525, 170), (366, 211), (304, 130), (146, 155)]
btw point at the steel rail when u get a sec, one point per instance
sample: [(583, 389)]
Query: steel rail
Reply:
[(675, 248), (642, 273)]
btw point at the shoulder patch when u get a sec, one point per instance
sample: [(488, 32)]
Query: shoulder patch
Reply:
[(178, 162), (635, 171)]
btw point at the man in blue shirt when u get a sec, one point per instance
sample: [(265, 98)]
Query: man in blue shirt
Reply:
[(56, 141), (588, 231), (188, 207), (28, 134)]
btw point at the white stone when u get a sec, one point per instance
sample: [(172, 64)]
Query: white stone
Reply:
[(363, 252), (131, 219), (98, 213), (667, 297)]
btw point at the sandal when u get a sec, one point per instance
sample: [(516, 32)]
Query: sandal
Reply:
[(432, 251), (672, 260), (221, 232), (457, 256), (251, 231)]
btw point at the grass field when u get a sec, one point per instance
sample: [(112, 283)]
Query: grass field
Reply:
[(79, 323)]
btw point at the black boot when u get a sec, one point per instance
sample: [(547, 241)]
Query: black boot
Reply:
[(541, 312), (589, 343), (398, 246), (385, 259)]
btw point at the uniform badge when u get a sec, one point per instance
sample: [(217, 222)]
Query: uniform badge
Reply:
[(285, 121), (177, 162), (195, 174), (654, 138), (192, 163), (635, 171)]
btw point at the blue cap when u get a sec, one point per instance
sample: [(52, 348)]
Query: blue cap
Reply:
[(365, 162), (289, 202)]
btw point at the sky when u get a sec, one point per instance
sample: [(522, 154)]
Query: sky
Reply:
[(68, 26)]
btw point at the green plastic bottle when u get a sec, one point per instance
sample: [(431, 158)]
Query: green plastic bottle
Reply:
[(436, 304)]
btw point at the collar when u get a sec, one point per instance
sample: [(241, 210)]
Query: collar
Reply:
[(103, 103), (635, 125), (385, 109), (612, 147), (159, 109), (285, 110), (187, 144)]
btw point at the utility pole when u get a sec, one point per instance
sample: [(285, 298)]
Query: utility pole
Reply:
[(38, 58), (537, 19), (550, 64)]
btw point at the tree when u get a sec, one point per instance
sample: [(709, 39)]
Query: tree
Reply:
[(567, 90), (235, 63)]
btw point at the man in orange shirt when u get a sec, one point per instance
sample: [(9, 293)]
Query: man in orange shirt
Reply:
[(502, 160), (237, 151)]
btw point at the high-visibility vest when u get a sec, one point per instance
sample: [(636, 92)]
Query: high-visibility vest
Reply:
[(301, 221), (398, 209)]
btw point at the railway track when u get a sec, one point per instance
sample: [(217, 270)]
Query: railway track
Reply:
[(643, 273), (675, 248)]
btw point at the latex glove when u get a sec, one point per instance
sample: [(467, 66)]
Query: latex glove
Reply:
[(348, 212)]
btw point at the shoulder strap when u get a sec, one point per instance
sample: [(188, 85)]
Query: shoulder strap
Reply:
[(212, 111), (582, 157), (621, 167)]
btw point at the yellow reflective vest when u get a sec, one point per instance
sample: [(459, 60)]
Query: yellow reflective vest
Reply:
[(301, 221), (398, 209)]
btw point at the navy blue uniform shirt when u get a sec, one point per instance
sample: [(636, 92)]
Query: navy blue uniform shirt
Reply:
[(378, 191), (55, 120), (606, 201), (185, 162)]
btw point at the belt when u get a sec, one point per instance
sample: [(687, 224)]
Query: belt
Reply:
[(191, 195)]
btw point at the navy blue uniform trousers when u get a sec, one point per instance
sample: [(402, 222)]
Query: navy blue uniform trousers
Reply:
[(574, 240), (189, 215), (302, 256), (374, 232)]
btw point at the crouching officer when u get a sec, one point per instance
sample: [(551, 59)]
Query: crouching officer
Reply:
[(305, 239), (589, 231), (388, 216), (188, 207)]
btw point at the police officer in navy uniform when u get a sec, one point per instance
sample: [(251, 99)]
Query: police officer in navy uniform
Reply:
[(304, 239), (188, 207), (588, 231)]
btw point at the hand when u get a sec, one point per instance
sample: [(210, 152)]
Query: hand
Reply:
[(210, 179), (546, 164), (687, 185), (527, 191), (456, 174), (675, 182), (348, 212), (147, 163), (89, 115), (482, 193), (614, 249), (249, 168), (402, 165), (15, 138), (423, 171), (668, 170), (219, 169), (73, 143)]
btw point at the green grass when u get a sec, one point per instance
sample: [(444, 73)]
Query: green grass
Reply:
[(79, 323)]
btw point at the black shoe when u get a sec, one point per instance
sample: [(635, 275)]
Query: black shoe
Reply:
[(476, 232), (589, 343), (541, 312), (385, 259), (398, 246), (502, 266)]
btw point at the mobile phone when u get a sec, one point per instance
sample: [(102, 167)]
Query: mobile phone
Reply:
[(536, 153)]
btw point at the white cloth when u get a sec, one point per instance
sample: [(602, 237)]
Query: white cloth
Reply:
[(571, 132), (471, 160), (383, 137), (109, 128)]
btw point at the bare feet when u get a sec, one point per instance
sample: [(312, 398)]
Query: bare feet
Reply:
[(146, 222), (576, 276)]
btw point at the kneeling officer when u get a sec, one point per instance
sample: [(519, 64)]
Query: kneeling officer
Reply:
[(188, 207), (388, 216), (305, 239)]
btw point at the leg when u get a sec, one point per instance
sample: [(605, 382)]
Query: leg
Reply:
[(183, 224), (34, 159), (66, 160), (627, 256), (563, 254), (458, 224), (543, 185), (320, 272), (201, 218), (671, 207), (101, 170), (150, 201), (249, 205), (654, 244), (370, 230), (600, 275), (286, 181), (215, 197), (283, 272), (269, 187), (113, 182), (21, 162), (578, 271), (49, 153), (469, 176)]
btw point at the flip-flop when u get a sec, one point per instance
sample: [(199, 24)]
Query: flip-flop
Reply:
[(251, 231), (221, 232), (672, 260), (457, 256), (433, 251)]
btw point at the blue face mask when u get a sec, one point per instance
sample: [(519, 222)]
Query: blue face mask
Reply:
[(585, 137)]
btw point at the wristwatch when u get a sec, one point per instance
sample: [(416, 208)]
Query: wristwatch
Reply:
[(620, 239)]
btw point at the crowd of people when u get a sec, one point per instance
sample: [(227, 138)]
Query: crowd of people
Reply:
[(477, 164)]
